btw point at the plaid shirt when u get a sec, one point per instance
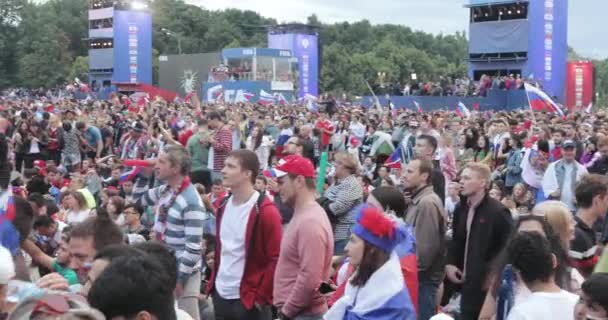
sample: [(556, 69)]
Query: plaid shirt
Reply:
[(221, 147), (345, 195)]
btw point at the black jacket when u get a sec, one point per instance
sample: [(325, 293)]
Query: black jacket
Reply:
[(490, 231), (600, 166)]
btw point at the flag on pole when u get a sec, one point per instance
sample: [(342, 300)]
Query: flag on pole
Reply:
[(248, 95), (189, 96), (394, 161), (462, 110), (311, 102), (418, 108), (589, 108), (266, 98), (281, 99), (540, 101)]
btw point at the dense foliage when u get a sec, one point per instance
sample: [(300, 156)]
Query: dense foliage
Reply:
[(42, 44)]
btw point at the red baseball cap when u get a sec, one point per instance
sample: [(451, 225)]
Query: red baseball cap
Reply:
[(295, 164)]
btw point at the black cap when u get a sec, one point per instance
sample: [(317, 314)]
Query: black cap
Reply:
[(568, 144)]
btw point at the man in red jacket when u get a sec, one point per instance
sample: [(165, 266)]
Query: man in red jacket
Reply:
[(248, 229)]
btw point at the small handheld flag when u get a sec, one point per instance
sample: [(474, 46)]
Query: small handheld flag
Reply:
[(394, 161)]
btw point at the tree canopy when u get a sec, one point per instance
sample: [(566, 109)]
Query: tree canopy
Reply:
[(42, 44)]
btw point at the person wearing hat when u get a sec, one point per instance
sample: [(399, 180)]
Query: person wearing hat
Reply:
[(307, 245), (377, 289), (562, 175), (134, 145)]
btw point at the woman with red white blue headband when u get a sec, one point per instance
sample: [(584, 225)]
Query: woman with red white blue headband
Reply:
[(376, 291)]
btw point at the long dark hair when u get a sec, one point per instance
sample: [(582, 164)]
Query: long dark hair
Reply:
[(486, 148), (391, 199), (373, 258), (257, 140), (562, 273), (471, 142)]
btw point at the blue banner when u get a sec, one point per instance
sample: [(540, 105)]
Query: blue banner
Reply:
[(306, 48), (132, 47), (548, 45)]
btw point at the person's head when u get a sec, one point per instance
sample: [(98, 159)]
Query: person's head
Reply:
[(569, 151), (81, 126), (425, 147), (165, 256), (531, 255), (241, 167), (63, 254), (38, 203), (305, 132), (296, 178), (46, 226), (483, 143), (453, 189), (292, 146), (560, 218), (346, 165), (519, 190), (116, 172), (388, 199), (496, 193), (127, 187), (593, 303), (373, 238), (215, 120), (102, 259), (558, 136), (89, 237), (134, 287), (260, 184), (115, 205), (417, 174), (475, 178), (73, 200), (24, 217), (569, 129), (515, 142), (133, 213), (217, 187), (382, 171), (54, 176), (602, 146), (591, 194), (368, 161), (173, 161)]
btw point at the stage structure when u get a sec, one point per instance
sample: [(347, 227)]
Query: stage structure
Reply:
[(526, 38), (580, 87), (120, 44), (252, 74), (303, 41)]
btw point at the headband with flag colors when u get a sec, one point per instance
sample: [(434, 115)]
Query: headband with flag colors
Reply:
[(130, 175), (540, 101), (373, 226)]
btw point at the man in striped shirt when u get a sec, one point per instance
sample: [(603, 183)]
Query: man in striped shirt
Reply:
[(592, 200), (179, 221)]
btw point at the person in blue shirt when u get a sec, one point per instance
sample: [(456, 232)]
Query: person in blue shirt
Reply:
[(93, 142)]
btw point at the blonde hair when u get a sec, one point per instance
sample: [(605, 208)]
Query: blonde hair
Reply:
[(558, 215), (348, 161), (482, 170)]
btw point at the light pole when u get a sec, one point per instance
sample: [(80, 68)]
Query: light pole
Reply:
[(176, 36)]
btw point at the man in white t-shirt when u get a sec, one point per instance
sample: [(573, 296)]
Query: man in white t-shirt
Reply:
[(531, 254), (248, 228)]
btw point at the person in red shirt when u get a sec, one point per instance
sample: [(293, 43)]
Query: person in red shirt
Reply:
[(327, 129)]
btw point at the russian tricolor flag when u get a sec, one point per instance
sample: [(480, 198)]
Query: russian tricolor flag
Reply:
[(266, 98), (130, 175), (394, 161), (248, 95), (540, 101), (418, 108), (462, 110), (9, 236)]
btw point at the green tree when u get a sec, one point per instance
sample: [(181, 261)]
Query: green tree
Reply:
[(79, 69)]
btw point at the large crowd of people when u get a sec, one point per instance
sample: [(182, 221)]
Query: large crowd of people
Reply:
[(185, 210)]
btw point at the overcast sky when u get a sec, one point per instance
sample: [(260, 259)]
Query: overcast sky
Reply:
[(588, 33)]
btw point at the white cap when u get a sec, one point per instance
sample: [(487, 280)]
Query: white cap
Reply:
[(7, 267)]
